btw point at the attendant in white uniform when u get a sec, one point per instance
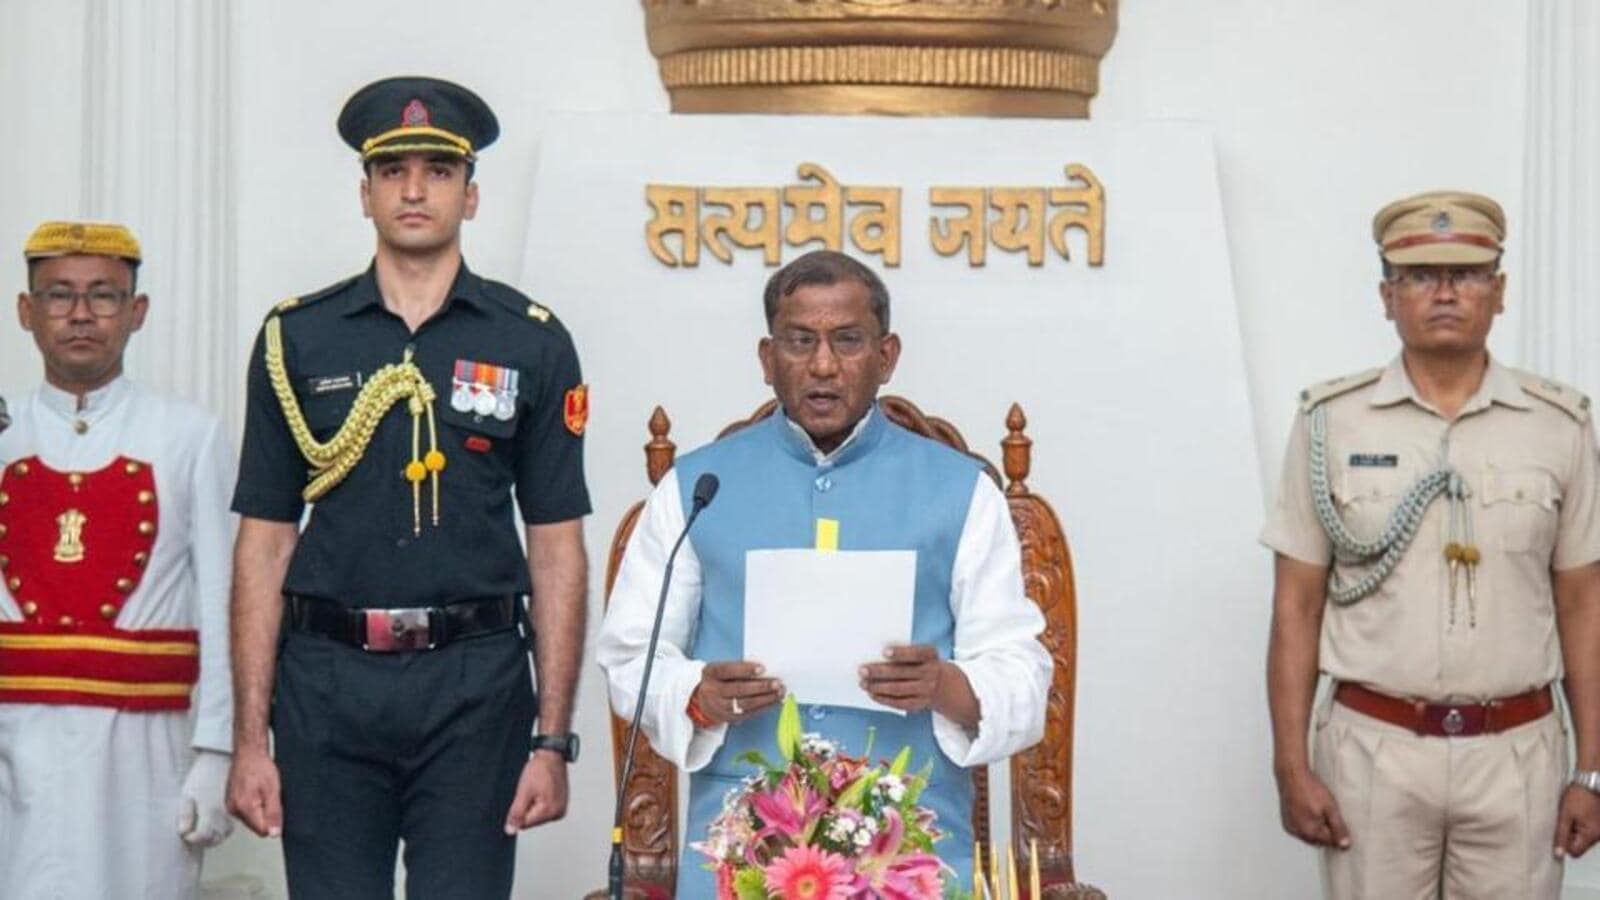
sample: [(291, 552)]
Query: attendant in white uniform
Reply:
[(115, 704)]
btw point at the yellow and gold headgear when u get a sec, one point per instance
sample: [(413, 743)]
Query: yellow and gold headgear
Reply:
[(53, 239)]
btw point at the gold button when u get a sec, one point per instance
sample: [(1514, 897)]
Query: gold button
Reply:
[(124, 585), (131, 468), (75, 479), (80, 426), (30, 608), (4, 560), (66, 620), (20, 468), (146, 497), (108, 611), (2, 529), (15, 584), (140, 558), (4, 498), (147, 528)]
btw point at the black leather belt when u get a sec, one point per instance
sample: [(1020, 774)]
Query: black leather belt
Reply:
[(394, 630)]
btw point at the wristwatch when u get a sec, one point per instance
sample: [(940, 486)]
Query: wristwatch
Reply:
[(566, 745), (1587, 778)]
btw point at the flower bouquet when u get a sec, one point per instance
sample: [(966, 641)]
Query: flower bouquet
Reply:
[(824, 826)]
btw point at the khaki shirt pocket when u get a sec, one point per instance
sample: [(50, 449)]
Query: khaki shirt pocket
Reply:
[(1518, 507), (1367, 497)]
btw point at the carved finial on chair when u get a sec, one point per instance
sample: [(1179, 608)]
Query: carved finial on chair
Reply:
[(659, 453), (1017, 451)]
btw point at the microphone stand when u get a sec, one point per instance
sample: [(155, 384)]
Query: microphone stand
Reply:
[(705, 488)]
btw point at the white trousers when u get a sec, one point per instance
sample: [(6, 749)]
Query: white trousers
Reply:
[(89, 804)]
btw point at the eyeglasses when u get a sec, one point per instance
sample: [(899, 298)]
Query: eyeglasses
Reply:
[(1428, 279), (846, 343), (59, 302)]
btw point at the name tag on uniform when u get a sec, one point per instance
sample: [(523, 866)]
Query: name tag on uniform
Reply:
[(1374, 460), (317, 385)]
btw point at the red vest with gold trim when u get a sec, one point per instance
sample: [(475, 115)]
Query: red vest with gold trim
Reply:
[(73, 548)]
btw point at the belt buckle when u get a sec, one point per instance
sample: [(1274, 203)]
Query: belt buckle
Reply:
[(1453, 722), (393, 630)]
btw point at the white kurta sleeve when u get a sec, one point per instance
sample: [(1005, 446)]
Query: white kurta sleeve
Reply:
[(625, 633), (211, 558), (997, 638)]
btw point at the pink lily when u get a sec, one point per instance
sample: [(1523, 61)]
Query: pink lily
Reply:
[(885, 870), (791, 809)]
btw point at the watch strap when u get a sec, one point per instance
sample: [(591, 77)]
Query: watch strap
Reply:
[(563, 745)]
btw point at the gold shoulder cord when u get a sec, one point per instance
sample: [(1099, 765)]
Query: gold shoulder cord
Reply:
[(333, 460)]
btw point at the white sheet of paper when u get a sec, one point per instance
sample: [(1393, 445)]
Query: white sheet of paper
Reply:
[(813, 617)]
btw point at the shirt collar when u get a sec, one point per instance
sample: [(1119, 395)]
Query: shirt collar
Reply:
[(858, 441), (95, 404), (1499, 385), (364, 294)]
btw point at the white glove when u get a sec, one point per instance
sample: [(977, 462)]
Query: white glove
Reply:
[(203, 819)]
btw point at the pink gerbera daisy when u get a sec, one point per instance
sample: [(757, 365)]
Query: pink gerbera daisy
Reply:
[(806, 873)]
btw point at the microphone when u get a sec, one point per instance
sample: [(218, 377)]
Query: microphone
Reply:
[(705, 489)]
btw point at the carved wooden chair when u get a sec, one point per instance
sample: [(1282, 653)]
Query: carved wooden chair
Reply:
[(1041, 778)]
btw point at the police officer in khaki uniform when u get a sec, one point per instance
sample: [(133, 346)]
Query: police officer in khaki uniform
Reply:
[(1438, 556)]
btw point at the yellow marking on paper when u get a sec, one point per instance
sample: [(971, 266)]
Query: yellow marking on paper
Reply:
[(827, 535)]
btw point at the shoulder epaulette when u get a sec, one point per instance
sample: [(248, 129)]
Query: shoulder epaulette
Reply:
[(518, 303), (301, 302), (1568, 399), (1325, 390)]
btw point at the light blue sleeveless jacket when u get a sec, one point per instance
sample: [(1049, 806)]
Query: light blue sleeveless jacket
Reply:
[(889, 489)]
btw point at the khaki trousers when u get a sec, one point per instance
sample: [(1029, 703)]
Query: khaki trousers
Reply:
[(1429, 817)]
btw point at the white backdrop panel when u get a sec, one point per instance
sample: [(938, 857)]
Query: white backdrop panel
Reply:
[(1131, 375)]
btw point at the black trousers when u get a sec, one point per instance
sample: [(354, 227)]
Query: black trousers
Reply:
[(422, 747)]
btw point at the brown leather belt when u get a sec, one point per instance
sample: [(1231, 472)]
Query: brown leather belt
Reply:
[(1447, 719)]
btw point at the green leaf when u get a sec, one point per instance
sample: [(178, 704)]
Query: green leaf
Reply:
[(819, 782), (898, 767), (750, 883), (916, 837), (918, 782), (855, 793), (851, 798), (756, 758), (789, 729), (872, 734)]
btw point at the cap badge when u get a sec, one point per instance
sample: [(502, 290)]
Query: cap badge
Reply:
[(415, 114), (1441, 222)]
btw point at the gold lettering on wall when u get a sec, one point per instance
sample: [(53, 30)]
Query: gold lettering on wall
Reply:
[(1022, 224), (820, 210), (677, 211)]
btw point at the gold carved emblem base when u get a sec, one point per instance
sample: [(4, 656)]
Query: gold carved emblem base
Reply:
[(890, 57)]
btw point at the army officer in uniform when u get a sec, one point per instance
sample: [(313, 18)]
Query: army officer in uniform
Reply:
[(410, 405)]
